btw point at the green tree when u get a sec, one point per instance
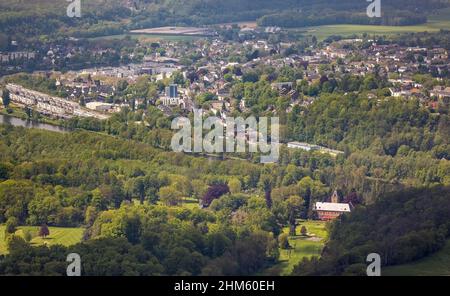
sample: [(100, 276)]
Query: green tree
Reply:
[(17, 245), (294, 205), (139, 188), (169, 195), (235, 185), (6, 98), (199, 188), (11, 225), (265, 184)]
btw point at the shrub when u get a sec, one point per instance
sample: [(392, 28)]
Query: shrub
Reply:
[(283, 240), (11, 225), (27, 235), (304, 231)]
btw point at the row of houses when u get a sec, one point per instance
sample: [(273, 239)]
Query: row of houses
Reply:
[(49, 105), (16, 55), (440, 92)]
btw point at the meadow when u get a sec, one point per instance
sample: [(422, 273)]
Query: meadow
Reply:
[(301, 246), (58, 235)]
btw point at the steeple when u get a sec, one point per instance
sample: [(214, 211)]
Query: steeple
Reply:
[(335, 197)]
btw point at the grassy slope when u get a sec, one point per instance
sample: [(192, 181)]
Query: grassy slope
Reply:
[(436, 264), (301, 247), (58, 235)]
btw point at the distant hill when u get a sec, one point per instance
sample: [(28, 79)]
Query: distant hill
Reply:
[(290, 13), (103, 17)]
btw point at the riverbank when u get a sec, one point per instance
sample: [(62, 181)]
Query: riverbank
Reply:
[(16, 121), (18, 112)]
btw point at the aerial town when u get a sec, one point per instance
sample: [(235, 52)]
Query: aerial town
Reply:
[(225, 138), (219, 63)]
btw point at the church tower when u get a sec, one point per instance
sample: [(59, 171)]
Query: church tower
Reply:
[(335, 197)]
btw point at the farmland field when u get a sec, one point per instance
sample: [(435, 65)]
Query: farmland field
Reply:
[(58, 235), (434, 265), (301, 247)]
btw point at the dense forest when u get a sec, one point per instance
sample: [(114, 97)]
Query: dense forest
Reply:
[(125, 192), (129, 196)]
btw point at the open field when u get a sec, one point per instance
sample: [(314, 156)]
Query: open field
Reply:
[(434, 24), (301, 247), (184, 31), (58, 235), (147, 38), (434, 265)]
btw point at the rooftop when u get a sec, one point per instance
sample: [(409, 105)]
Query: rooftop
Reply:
[(334, 207)]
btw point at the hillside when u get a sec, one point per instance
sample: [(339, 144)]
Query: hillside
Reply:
[(437, 264), (103, 17), (402, 227)]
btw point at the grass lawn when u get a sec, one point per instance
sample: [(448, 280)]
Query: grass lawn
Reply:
[(433, 265), (301, 247), (190, 203), (58, 235), (187, 202)]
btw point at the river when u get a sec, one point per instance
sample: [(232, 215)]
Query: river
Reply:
[(15, 121)]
